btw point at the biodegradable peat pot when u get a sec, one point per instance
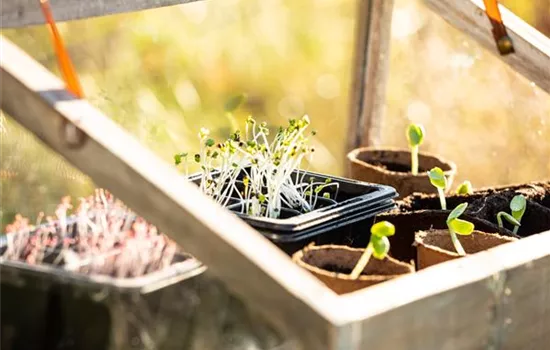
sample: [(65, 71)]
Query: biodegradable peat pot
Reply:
[(393, 167), (486, 204), (435, 246), (332, 264)]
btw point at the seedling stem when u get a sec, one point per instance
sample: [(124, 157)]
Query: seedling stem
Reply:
[(415, 136), (439, 181), (458, 226), (379, 246)]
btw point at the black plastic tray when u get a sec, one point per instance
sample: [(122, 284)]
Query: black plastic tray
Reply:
[(353, 198), (47, 307)]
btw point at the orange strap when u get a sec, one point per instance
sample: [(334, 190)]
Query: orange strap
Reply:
[(504, 43), (63, 59)]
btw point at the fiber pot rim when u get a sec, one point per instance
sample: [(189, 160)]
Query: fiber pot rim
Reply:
[(421, 235), (298, 259), (353, 157)]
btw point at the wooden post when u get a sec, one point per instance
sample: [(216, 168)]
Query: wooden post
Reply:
[(370, 72)]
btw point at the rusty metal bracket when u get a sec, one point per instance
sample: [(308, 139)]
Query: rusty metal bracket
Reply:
[(502, 39)]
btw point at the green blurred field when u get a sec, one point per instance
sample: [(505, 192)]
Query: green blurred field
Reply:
[(165, 73)]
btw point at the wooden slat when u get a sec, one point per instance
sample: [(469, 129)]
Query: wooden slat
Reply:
[(498, 299), (532, 48), (248, 263), (19, 13), (370, 72)]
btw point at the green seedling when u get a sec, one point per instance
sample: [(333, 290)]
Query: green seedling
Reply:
[(379, 246), (459, 226), (415, 136), (508, 218), (465, 188), (518, 204), (438, 179)]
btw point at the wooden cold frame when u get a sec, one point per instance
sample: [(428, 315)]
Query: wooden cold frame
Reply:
[(20, 13), (498, 299)]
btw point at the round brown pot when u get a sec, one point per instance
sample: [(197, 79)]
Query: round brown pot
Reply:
[(393, 167), (434, 246), (332, 264)]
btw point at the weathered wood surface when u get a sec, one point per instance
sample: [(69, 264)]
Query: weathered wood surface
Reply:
[(256, 270), (370, 72), (20, 13), (532, 48), (498, 299)]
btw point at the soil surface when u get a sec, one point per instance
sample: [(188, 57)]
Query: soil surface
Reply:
[(343, 261), (487, 203), (472, 244), (407, 224), (399, 168)]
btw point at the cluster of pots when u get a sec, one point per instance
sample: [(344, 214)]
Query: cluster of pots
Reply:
[(422, 238)]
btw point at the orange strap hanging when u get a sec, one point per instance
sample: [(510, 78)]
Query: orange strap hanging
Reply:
[(63, 59), (504, 43)]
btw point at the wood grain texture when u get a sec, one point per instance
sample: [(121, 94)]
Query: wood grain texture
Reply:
[(256, 270), (20, 13), (532, 48), (497, 299), (370, 72)]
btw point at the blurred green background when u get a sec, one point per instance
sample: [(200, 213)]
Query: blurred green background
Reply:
[(164, 73)]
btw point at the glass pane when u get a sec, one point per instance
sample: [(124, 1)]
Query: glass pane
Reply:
[(535, 12), (477, 111), (165, 73)]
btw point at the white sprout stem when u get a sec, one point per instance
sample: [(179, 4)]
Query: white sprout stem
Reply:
[(442, 199), (456, 242), (362, 262), (516, 228), (414, 160)]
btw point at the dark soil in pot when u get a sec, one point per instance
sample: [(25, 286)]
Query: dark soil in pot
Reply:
[(407, 224), (392, 167), (332, 264), (486, 204), (435, 246)]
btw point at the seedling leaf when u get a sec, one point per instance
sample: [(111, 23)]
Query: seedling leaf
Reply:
[(382, 229), (234, 102), (461, 227), (459, 210), (415, 134), (518, 206), (437, 178), (508, 218), (465, 188), (381, 247)]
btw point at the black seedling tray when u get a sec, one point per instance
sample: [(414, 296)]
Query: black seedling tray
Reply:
[(47, 307), (353, 197)]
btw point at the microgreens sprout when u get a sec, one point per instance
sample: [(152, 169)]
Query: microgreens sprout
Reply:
[(438, 179), (459, 226), (379, 246), (465, 188), (263, 175), (415, 136), (518, 204)]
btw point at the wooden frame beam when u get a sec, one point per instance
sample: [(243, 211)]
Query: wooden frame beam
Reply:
[(532, 48), (297, 303), (496, 299), (370, 72), (19, 13)]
